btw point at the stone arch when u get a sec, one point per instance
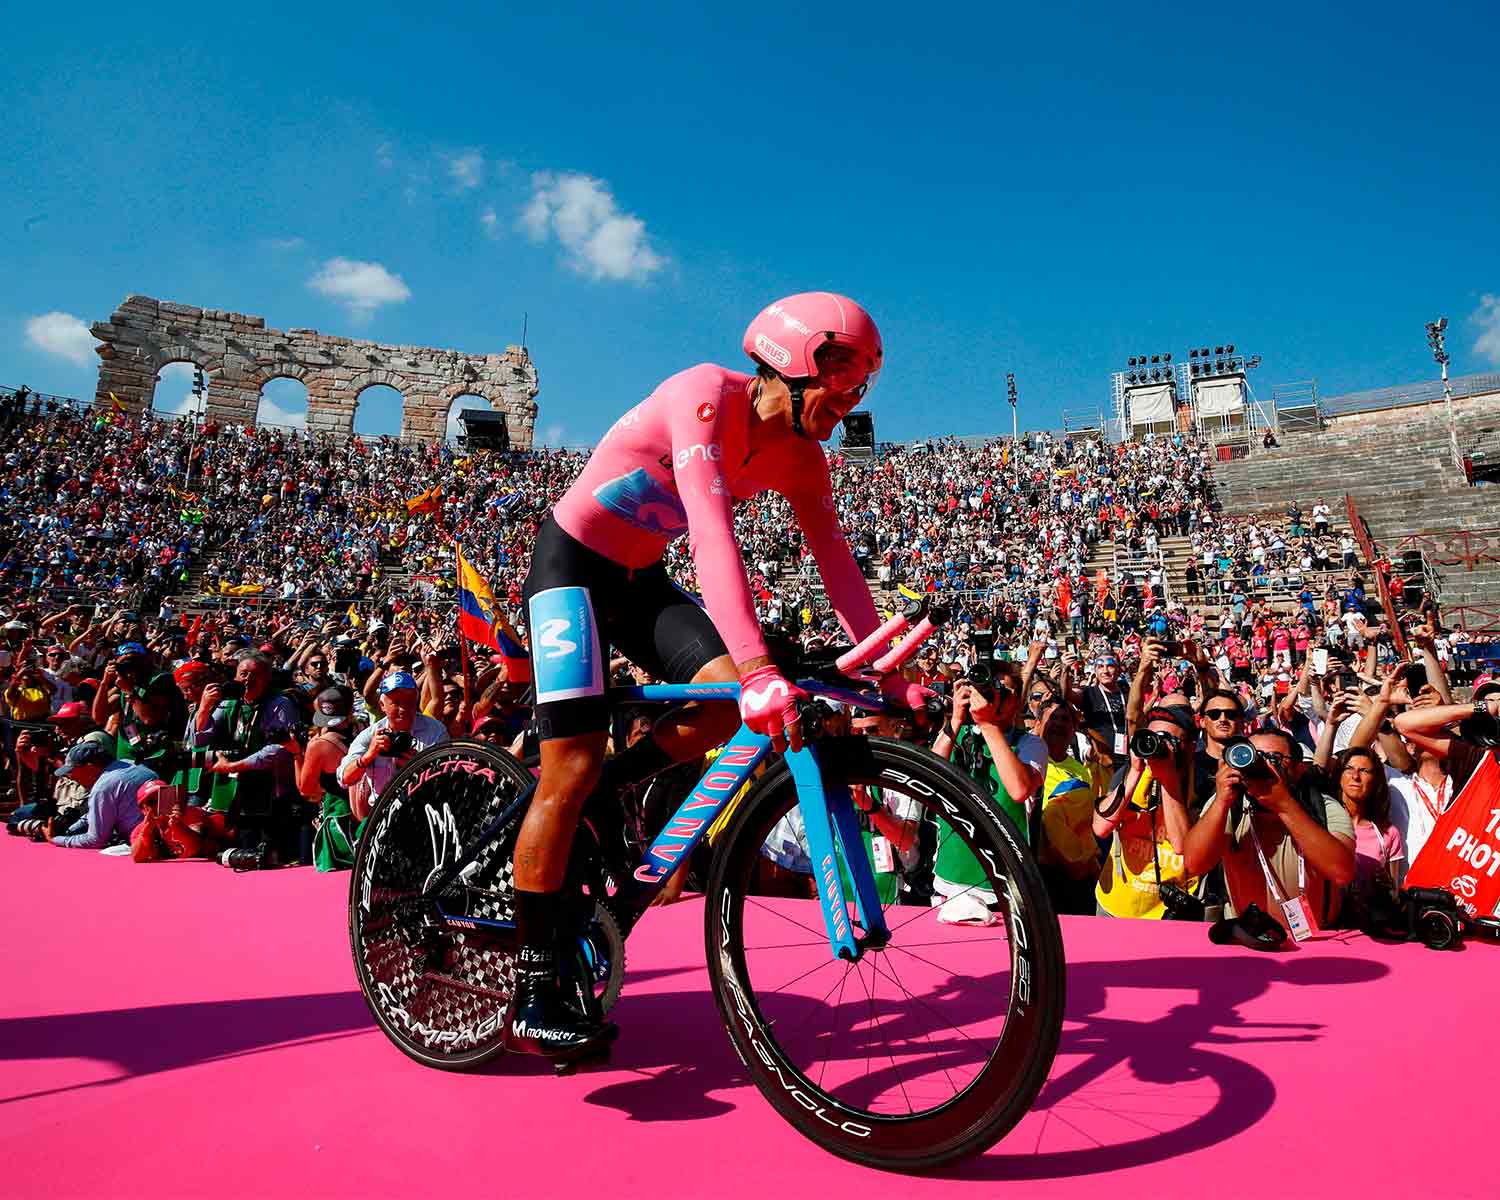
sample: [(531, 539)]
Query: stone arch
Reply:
[(395, 383), (239, 354)]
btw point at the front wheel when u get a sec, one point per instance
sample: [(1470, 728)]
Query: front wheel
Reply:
[(931, 1048)]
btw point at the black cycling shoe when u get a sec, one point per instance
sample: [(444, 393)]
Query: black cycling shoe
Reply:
[(542, 1022)]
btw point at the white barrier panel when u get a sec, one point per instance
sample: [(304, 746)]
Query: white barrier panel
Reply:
[(1219, 397), (1148, 405)]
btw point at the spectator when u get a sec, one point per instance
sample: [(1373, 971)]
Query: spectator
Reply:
[(113, 811), (385, 747), (1147, 816), (1067, 853), (982, 738), (1379, 854), (1283, 815), (318, 781), (248, 727)]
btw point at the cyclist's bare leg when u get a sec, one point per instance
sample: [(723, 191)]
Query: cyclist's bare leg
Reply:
[(569, 770), (694, 730), (698, 727)]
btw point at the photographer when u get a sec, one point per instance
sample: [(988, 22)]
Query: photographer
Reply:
[(112, 783), (1287, 847), (142, 707), (384, 748), (1147, 815), (982, 739), (248, 726)]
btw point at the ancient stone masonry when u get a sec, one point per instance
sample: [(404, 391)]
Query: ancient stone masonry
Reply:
[(238, 354)]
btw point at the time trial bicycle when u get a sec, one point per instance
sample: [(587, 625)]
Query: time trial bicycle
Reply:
[(880, 1032)]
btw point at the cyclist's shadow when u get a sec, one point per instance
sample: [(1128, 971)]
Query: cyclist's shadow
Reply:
[(1108, 1066), (1128, 1092)]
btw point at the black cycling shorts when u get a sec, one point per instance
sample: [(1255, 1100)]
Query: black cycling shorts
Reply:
[(578, 605)]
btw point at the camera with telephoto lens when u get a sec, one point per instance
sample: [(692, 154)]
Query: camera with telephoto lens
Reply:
[(402, 744)]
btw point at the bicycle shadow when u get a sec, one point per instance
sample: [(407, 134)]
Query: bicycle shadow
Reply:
[(1161, 1055), (151, 1039), (1126, 1066), (165, 1037)]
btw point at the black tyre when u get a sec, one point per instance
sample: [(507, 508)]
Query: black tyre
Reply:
[(439, 993), (919, 1054)]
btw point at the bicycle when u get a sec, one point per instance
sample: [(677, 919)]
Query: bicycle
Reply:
[(908, 1079)]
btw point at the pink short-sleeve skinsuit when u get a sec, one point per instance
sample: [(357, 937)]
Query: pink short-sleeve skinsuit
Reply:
[(676, 463)]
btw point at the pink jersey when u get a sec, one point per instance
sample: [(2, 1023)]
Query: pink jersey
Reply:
[(676, 463)]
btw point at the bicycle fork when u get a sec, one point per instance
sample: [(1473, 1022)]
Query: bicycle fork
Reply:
[(832, 829)]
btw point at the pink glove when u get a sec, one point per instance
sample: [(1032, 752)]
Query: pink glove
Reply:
[(768, 704), (899, 690)]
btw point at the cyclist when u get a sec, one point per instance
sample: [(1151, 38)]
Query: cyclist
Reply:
[(675, 464)]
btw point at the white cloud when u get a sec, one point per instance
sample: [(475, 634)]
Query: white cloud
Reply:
[(467, 169), (63, 335), (1487, 317), (490, 220), (361, 287), (383, 155), (271, 413), (552, 436), (580, 212), (283, 402)]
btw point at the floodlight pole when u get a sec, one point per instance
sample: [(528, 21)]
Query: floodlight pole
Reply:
[(1010, 389)]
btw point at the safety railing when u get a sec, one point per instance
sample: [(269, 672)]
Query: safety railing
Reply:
[(1453, 547)]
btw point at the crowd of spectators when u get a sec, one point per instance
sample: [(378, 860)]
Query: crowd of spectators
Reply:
[(319, 651)]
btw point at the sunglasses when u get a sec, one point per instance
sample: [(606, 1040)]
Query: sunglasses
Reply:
[(1223, 714)]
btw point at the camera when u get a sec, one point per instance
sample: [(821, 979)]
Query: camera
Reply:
[(981, 677), (1148, 744), (1427, 915), (1181, 904), (1242, 755), (1481, 729), (401, 743), (232, 690)]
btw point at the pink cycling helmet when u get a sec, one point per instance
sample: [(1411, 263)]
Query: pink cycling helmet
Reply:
[(785, 335)]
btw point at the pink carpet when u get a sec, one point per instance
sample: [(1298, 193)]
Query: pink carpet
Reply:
[(180, 1030)]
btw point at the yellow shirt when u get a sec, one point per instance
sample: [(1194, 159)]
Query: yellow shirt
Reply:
[(1068, 841)]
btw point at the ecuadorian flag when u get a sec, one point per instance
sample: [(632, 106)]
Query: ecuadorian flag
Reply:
[(480, 620)]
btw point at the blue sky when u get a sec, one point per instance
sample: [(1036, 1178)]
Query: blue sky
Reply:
[(1044, 191)]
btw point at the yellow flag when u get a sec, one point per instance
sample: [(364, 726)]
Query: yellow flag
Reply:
[(115, 401), (907, 592), (354, 617)]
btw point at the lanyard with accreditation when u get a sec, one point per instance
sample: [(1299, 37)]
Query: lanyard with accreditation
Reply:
[(1294, 909)]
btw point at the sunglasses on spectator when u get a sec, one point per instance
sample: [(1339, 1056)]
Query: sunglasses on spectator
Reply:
[(1223, 714)]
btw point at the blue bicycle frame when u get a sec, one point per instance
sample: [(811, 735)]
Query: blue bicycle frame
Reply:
[(828, 817)]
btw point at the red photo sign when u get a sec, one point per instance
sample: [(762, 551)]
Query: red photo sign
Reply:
[(1462, 855)]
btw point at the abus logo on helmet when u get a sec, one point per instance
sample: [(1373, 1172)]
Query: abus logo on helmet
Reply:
[(776, 355)]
